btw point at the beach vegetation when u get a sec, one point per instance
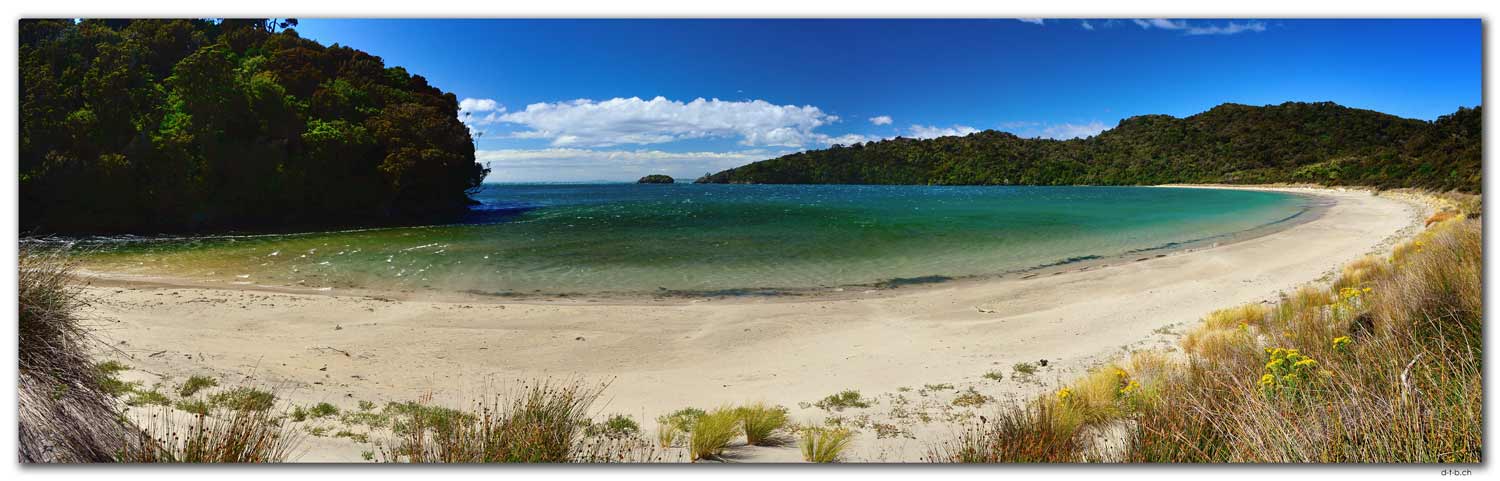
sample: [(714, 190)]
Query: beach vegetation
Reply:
[(843, 400), (821, 444), (712, 433), (544, 421), (1363, 372), (223, 436), (195, 383), (243, 398), (763, 423)]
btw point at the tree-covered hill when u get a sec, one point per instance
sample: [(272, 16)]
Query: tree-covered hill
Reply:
[(1321, 143), (178, 125)]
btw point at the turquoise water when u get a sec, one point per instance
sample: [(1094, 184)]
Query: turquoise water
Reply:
[(555, 239)]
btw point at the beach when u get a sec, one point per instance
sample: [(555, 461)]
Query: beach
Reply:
[(911, 349)]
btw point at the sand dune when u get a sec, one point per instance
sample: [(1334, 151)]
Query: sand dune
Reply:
[(663, 355)]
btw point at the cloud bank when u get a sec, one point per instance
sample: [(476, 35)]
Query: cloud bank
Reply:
[(618, 121), (573, 164), (1201, 28), (932, 131), (881, 120)]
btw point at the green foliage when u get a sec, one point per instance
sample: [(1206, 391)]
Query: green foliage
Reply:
[(1293, 142), (843, 400), (824, 444), (193, 384), (109, 378), (323, 410), (173, 125), (148, 398), (243, 399), (762, 422), (618, 426)]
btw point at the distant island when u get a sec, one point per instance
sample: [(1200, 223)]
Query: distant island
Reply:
[(656, 179), (1323, 143), (158, 125)]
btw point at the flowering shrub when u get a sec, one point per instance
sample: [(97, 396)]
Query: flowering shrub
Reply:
[(1288, 372)]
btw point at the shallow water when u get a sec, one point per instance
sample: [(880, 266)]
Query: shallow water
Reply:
[(550, 239)]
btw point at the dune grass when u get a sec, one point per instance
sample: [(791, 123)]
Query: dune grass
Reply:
[(822, 444), (542, 421), (763, 423), (66, 406), (1381, 365), (223, 435), (713, 432)]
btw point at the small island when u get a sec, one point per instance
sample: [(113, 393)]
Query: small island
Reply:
[(656, 179)]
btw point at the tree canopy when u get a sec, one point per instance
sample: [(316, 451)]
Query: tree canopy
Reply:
[(1322, 143), (180, 125)]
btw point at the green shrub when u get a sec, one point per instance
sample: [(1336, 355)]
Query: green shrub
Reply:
[(824, 444), (761, 423), (194, 384), (712, 433), (843, 400)]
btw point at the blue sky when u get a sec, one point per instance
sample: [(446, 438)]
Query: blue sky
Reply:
[(574, 100)]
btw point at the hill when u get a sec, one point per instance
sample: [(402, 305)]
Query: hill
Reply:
[(1323, 143), (181, 125)]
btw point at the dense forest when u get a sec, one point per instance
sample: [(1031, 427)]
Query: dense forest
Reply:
[(1321, 143), (184, 125)]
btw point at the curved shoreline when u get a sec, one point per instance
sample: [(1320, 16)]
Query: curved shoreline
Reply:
[(661, 357), (892, 286)]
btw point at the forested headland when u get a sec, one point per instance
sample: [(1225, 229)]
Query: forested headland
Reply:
[(161, 125), (1323, 143)]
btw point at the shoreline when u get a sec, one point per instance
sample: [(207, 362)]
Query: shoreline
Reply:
[(882, 288), (934, 341)]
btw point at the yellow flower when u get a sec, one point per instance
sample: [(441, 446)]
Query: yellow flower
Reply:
[(1129, 388), (1267, 380), (1064, 394), (1305, 364), (1341, 343), (1275, 364)]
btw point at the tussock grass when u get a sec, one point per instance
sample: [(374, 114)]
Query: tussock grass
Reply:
[(712, 433), (66, 406), (763, 423), (543, 421), (243, 398), (223, 436), (1384, 366), (1037, 432), (824, 444)]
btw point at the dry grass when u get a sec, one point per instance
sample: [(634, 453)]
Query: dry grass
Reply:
[(539, 422), (1037, 432), (763, 423), (65, 416), (712, 433), (1385, 366), (222, 436), (824, 444)]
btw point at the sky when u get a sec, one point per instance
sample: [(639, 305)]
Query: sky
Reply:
[(615, 99)]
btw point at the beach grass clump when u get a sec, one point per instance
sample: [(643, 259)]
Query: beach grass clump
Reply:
[(196, 383), (222, 436), (824, 444), (763, 423), (845, 399), (322, 410), (675, 426), (616, 426), (712, 433), (1024, 369), (66, 407), (543, 421), (1039, 431), (243, 398)]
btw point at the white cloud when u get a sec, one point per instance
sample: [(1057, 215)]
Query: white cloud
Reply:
[(1187, 28), (932, 131), (479, 105), (590, 123), (1086, 25), (1059, 131), (881, 120), (1037, 21), (571, 164)]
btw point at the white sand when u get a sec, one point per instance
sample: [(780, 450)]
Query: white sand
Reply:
[(705, 353)]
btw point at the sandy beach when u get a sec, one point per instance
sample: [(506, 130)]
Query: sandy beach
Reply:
[(911, 349)]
